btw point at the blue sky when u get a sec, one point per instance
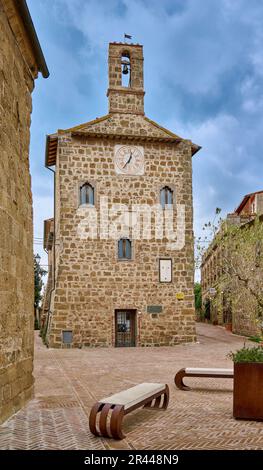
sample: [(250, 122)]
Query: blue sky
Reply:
[(203, 80)]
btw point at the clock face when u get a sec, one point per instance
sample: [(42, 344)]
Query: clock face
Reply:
[(129, 160)]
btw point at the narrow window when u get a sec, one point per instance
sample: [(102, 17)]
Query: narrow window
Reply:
[(166, 196), (124, 249), (87, 194), (67, 337), (126, 69)]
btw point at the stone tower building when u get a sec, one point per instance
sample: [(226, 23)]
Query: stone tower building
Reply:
[(21, 59), (114, 284)]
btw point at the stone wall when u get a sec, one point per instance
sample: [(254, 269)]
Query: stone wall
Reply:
[(90, 282), (245, 315), (16, 256)]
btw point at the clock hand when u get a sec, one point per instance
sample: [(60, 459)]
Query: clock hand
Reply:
[(128, 161)]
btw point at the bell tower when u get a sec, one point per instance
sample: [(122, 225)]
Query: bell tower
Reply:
[(126, 91)]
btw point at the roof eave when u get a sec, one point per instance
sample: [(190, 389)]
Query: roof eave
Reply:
[(112, 136), (46, 151), (195, 149), (50, 154), (242, 204), (24, 13)]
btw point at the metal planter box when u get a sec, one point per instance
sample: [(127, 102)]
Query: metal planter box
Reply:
[(248, 391)]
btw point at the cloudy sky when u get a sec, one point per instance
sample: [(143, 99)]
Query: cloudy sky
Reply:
[(203, 80)]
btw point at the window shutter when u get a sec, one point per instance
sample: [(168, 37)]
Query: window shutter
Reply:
[(120, 249)]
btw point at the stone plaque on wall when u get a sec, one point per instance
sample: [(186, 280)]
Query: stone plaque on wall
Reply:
[(154, 308)]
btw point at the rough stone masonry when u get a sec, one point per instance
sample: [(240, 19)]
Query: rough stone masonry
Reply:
[(20, 60), (101, 297)]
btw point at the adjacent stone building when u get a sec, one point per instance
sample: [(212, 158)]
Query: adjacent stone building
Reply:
[(232, 270), (125, 288), (48, 246), (21, 59)]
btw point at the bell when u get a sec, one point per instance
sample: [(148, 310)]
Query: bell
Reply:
[(125, 69)]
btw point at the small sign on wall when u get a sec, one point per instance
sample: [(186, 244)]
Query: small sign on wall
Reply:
[(180, 296), (165, 270)]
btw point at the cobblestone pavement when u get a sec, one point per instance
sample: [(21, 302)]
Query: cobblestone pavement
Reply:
[(69, 381)]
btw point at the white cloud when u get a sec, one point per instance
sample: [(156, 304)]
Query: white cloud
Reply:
[(193, 47)]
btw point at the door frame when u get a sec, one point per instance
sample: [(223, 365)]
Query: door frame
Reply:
[(133, 313)]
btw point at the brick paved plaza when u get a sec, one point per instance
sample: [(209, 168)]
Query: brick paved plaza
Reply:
[(69, 381)]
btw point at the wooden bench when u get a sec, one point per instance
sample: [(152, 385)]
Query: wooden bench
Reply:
[(200, 372), (106, 415)]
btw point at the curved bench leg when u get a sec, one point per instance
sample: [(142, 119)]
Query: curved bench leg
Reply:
[(166, 398), (116, 422), (103, 420), (178, 380), (157, 402), (92, 418), (149, 404)]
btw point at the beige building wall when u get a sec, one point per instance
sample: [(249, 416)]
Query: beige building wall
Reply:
[(18, 69)]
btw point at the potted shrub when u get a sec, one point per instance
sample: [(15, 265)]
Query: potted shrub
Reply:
[(248, 383)]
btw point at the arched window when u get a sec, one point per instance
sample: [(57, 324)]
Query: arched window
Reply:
[(166, 196), (124, 248), (86, 194), (126, 69)]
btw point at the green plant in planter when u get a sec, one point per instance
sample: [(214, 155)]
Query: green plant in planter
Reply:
[(245, 354)]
